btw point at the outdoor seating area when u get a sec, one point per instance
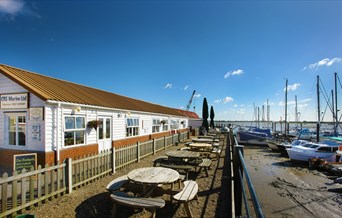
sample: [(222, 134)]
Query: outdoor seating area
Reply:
[(151, 188)]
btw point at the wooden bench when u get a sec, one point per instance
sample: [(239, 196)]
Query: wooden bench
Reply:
[(217, 152), (158, 160), (206, 165), (188, 193), (117, 184), (178, 167), (151, 204)]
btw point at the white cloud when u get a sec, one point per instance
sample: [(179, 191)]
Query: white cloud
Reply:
[(197, 95), (292, 87), (324, 62), (233, 73), (224, 100), (168, 86), (306, 100), (11, 7), (300, 104), (186, 87), (227, 100), (235, 105)]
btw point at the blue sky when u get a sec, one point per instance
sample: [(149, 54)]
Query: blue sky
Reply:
[(237, 54)]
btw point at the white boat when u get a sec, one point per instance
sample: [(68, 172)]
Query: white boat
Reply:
[(324, 150)]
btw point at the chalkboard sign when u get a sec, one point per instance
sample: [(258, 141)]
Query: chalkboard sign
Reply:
[(25, 161)]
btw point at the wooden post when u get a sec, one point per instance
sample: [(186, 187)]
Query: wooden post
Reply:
[(138, 151), (237, 183), (113, 160), (69, 175), (164, 142), (154, 146)]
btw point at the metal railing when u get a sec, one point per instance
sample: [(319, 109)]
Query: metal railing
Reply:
[(242, 187)]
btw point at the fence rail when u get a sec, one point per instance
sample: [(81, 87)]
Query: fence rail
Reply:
[(241, 179), (28, 189)]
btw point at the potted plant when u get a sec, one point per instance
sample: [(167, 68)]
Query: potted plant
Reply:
[(93, 124)]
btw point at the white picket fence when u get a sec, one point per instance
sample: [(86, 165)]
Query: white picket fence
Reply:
[(28, 189)]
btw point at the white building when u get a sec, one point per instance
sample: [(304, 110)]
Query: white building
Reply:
[(56, 119)]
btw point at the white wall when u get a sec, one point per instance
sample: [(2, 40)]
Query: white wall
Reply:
[(7, 86)]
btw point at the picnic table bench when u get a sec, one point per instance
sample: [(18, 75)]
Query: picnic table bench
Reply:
[(151, 204), (206, 165), (117, 184), (188, 193)]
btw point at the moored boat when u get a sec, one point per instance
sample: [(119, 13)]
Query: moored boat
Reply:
[(324, 150)]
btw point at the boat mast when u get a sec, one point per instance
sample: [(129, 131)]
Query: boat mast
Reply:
[(286, 130), (318, 110), (296, 111), (336, 110)]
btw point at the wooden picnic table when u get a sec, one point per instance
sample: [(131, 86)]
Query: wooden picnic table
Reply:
[(205, 137), (182, 154), (205, 146), (203, 140), (153, 176)]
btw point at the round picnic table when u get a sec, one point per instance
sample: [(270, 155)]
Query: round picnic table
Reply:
[(153, 175)]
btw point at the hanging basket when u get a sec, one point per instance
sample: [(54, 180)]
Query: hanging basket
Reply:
[(93, 124), (163, 122)]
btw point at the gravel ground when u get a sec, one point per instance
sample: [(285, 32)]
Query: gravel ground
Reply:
[(283, 188), (92, 200)]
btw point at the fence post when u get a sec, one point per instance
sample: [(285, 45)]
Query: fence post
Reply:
[(69, 174), (138, 151), (113, 160), (164, 142), (154, 146), (237, 183)]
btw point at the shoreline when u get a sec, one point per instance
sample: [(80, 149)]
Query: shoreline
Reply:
[(288, 189)]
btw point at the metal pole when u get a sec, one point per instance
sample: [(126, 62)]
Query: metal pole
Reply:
[(318, 110), (237, 182), (286, 106), (336, 110)]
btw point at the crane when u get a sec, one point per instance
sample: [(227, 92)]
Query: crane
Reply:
[(189, 103)]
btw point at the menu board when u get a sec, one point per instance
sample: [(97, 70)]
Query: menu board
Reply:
[(24, 161)]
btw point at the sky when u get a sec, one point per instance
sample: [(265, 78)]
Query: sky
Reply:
[(236, 54)]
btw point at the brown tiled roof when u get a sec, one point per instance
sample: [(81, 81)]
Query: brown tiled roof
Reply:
[(189, 114), (47, 88)]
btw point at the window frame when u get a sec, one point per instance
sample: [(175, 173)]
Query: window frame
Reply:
[(20, 119), (74, 131), (132, 126), (156, 125)]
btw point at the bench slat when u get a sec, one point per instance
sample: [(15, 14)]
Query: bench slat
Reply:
[(189, 191), (137, 202), (117, 183)]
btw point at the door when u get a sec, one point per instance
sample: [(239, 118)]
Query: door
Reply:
[(105, 133)]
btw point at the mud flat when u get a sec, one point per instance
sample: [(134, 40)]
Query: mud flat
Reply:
[(287, 189)]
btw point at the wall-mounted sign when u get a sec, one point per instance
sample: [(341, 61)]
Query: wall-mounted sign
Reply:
[(37, 113), (14, 101), (25, 161)]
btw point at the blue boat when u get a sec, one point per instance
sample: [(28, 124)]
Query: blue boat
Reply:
[(254, 136)]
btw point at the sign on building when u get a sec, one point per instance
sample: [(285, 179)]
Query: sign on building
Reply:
[(14, 101)]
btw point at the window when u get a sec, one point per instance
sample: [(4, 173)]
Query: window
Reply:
[(16, 130), (132, 127), (104, 128), (165, 125), (156, 125), (74, 129), (174, 124)]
